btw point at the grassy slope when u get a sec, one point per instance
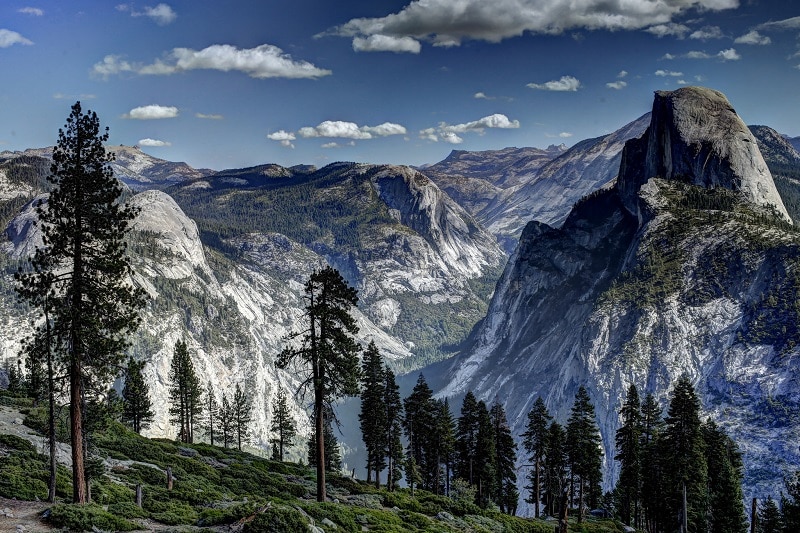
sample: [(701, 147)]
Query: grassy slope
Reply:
[(215, 487)]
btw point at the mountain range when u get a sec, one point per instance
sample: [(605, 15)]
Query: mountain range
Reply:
[(664, 247)]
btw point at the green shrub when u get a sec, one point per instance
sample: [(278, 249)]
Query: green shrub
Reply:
[(87, 517), (401, 500), (176, 513), (126, 510), (341, 515), (278, 520), (227, 515)]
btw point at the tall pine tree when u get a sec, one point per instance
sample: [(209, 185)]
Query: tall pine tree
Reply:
[(185, 393), (485, 466), (654, 507), (467, 439), (629, 442), (328, 348), (210, 415), (555, 468), (506, 494), (80, 275), (726, 512), (420, 426), (394, 419), (283, 426), (242, 415), (535, 442), (137, 409), (372, 417), (585, 453)]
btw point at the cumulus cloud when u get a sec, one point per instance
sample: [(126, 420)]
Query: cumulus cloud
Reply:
[(264, 61), (617, 85), (449, 133), (152, 112), (350, 130), (565, 135), (754, 38), (448, 23), (729, 55), (665, 73), (566, 83), (35, 11), (334, 144), (386, 43), (162, 14), (283, 137), (707, 32), (669, 29), (696, 54), (10, 38), (209, 117), (481, 96), (622, 74), (153, 142)]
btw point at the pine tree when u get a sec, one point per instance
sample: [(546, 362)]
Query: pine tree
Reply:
[(242, 415), (769, 517), (534, 441), (726, 513), (467, 439), (210, 415), (226, 422), (137, 409), (629, 443), (555, 468), (420, 426), (506, 494), (36, 382), (394, 419), (446, 442), (283, 425), (185, 393), (790, 504), (328, 348), (333, 457), (372, 417), (485, 466), (584, 451), (684, 443), (654, 507), (80, 275)]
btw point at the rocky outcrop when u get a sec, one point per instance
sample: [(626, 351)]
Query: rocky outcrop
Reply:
[(695, 136), (682, 267)]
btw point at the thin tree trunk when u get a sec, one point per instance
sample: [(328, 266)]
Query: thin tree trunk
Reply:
[(536, 483), (51, 411), (76, 436)]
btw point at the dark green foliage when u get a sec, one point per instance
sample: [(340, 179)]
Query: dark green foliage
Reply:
[(328, 352), (185, 393), (79, 277), (421, 413), (726, 512), (685, 447), (629, 443), (394, 416), (652, 462), (242, 415), (278, 520), (210, 415), (283, 426), (584, 451), (467, 439), (372, 418), (769, 517), (535, 443), (333, 456), (88, 517), (790, 503), (137, 410), (505, 486), (555, 468), (485, 464), (445, 442)]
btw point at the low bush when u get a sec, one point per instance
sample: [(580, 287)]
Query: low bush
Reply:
[(87, 518), (278, 520)]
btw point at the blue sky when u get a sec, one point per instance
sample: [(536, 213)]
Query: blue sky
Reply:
[(238, 83)]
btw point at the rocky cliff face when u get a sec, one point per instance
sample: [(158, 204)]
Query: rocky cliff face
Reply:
[(506, 189), (687, 265)]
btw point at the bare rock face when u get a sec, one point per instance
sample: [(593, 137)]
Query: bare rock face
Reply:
[(695, 136)]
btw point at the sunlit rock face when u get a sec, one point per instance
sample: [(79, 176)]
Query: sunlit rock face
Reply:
[(688, 264)]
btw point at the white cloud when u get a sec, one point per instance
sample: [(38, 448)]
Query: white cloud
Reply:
[(35, 11), (566, 83), (337, 145), (62, 96), (729, 55), (9, 38), (264, 61), (617, 85), (162, 14), (753, 37), (386, 43), (669, 29), (350, 130), (209, 117), (682, 82), (153, 142), (565, 135), (785, 24), (668, 73), (696, 54), (283, 137), (622, 74), (449, 132), (152, 112), (707, 32), (668, 56), (448, 22), (481, 96)]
